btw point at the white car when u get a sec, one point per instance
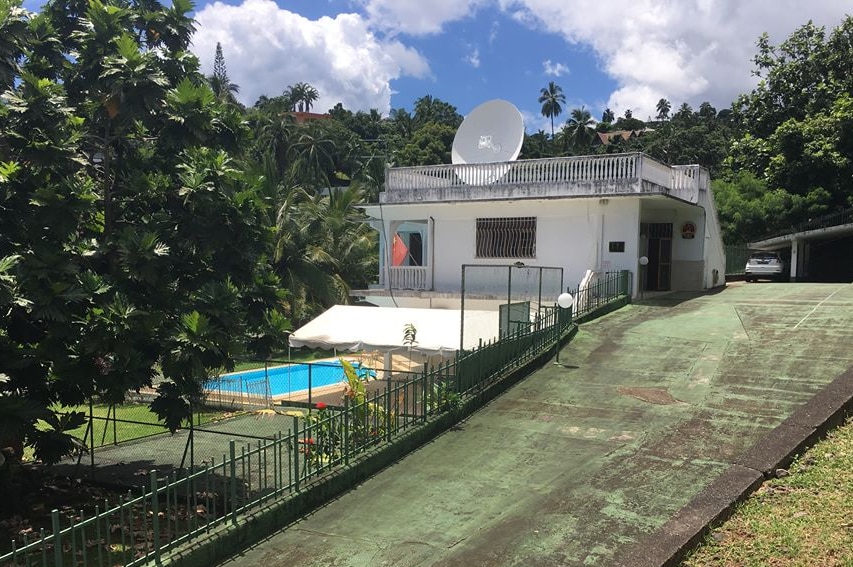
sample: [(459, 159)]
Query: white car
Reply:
[(766, 265)]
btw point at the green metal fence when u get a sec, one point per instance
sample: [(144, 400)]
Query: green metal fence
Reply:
[(600, 291), (736, 257), (186, 504)]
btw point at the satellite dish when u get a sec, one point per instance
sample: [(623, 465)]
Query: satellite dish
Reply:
[(493, 132)]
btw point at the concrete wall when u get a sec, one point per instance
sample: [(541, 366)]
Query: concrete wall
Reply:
[(571, 234)]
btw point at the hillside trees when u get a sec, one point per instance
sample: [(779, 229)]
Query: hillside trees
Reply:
[(131, 240), (316, 174), (798, 122)]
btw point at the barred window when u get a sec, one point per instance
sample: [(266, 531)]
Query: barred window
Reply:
[(511, 237)]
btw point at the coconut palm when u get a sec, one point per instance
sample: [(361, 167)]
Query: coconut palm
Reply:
[(685, 111), (663, 108), (608, 116), (552, 99), (579, 130)]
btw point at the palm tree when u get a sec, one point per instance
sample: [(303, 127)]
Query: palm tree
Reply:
[(685, 111), (323, 247), (310, 96), (402, 122), (608, 116), (302, 96), (707, 111), (579, 129), (552, 99), (663, 108)]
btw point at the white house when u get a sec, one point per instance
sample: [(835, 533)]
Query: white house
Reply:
[(599, 213)]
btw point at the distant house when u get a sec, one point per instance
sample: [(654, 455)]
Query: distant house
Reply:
[(582, 214), (303, 117), (604, 138)]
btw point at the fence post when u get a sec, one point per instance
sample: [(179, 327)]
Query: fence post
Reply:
[(346, 430), (388, 412), (295, 458), (57, 538), (233, 467), (155, 517), (458, 377), (91, 438)]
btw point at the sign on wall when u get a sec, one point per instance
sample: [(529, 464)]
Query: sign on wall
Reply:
[(688, 230)]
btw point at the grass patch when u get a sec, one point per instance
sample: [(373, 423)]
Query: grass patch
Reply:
[(132, 421), (803, 519)]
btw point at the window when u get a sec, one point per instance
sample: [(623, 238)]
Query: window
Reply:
[(511, 237)]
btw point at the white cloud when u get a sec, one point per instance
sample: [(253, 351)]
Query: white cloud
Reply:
[(554, 69), (685, 50), (267, 49), (682, 50), (417, 17), (473, 58)]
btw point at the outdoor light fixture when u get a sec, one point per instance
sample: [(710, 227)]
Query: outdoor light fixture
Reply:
[(564, 301), (644, 260)]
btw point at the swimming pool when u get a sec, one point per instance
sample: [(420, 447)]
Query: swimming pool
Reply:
[(282, 379)]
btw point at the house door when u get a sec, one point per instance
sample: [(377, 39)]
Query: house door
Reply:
[(658, 239)]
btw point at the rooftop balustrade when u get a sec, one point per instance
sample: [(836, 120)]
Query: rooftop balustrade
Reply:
[(577, 176)]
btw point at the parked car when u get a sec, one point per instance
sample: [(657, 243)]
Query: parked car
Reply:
[(764, 265)]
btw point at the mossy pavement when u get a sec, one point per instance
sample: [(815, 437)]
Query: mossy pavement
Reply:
[(598, 460)]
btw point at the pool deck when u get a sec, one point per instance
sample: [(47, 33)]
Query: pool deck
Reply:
[(663, 414)]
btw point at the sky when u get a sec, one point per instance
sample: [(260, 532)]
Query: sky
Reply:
[(384, 54)]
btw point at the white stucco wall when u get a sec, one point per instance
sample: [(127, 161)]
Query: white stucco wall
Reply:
[(572, 234)]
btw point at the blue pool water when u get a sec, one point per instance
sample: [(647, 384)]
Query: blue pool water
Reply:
[(282, 379)]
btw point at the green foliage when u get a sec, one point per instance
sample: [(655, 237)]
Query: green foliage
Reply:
[(798, 121), (442, 397), (429, 109), (747, 210), (331, 433), (410, 335), (429, 145), (578, 132), (131, 238)]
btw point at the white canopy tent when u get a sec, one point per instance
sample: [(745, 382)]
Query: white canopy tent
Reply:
[(357, 328)]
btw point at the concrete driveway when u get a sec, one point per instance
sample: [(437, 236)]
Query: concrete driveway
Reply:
[(583, 464)]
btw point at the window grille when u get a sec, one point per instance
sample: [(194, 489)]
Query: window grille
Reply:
[(511, 237)]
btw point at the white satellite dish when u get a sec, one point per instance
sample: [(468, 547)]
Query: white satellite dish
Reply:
[(492, 133)]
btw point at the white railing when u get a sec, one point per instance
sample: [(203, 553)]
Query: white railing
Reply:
[(408, 277), (685, 178), (623, 171), (553, 170)]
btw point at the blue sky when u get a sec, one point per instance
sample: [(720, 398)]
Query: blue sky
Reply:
[(622, 54)]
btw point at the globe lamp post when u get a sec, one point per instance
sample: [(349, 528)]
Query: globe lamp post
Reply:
[(564, 303)]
